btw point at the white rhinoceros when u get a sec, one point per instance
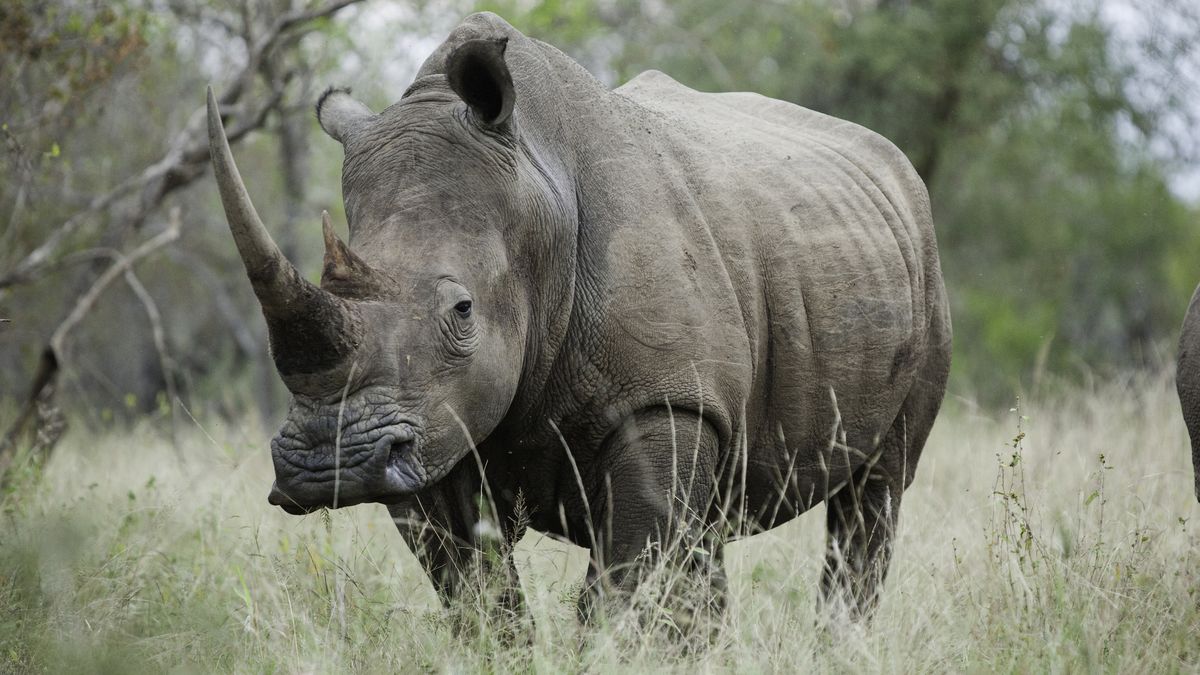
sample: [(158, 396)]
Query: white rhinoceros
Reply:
[(656, 318)]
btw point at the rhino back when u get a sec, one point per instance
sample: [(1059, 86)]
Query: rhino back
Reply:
[(769, 264)]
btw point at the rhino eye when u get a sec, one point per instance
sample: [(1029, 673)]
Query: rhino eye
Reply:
[(463, 308)]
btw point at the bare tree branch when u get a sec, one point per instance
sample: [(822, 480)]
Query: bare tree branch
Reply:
[(160, 337), (185, 160), (53, 353), (268, 40), (160, 345), (88, 299), (248, 343)]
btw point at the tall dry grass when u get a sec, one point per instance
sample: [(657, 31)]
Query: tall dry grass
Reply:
[(1063, 536)]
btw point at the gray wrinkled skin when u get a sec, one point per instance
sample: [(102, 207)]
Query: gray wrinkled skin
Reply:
[(687, 311), (1187, 380)]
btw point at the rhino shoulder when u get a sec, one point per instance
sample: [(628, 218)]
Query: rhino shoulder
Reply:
[(648, 82)]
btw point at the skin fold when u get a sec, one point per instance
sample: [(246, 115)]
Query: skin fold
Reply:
[(640, 320)]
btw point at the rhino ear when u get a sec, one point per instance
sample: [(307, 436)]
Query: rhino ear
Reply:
[(339, 113), (478, 74)]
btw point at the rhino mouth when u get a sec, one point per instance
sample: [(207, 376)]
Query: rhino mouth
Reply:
[(384, 468)]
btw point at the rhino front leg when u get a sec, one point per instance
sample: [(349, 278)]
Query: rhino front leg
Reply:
[(467, 557), (649, 511)]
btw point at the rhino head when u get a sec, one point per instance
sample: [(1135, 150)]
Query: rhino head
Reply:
[(423, 328)]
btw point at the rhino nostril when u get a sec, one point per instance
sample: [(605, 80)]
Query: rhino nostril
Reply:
[(400, 458), (401, 452)]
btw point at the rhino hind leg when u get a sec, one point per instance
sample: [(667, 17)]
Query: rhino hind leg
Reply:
[(861, 518), (1187, 382), (1191, 417), (861, 521)]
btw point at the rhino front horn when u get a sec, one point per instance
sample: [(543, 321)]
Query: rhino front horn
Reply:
[(311, 329)]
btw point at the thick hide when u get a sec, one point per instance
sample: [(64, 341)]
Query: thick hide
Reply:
[(1187, 380)]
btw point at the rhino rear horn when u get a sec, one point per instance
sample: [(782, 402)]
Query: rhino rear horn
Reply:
[(311, 330), (342, 266)]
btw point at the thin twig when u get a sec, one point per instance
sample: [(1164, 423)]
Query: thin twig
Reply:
[(88, 299), (248, 343), (52, 360), (160, 339)]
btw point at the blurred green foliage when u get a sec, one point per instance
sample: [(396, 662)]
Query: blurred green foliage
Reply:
[(1063, 246)]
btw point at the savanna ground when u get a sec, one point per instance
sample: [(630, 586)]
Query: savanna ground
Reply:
[(1063, 536)]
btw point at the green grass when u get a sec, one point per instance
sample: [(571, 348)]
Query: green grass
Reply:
[(1063, 537)]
